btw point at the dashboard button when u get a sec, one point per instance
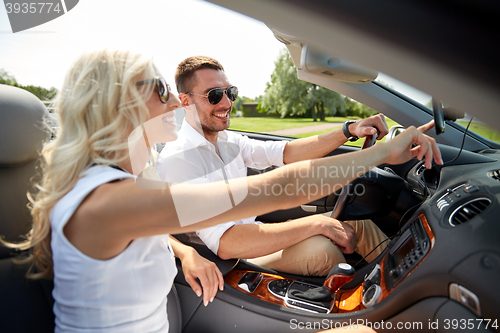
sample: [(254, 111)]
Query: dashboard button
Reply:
[(372, 295), (394, 273), (281, 283), (368, 283), (471, 188)]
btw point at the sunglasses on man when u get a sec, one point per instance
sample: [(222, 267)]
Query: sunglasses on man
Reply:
[(215, 95), (162, 87)]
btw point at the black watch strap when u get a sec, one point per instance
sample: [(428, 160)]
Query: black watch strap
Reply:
[(348, 134)]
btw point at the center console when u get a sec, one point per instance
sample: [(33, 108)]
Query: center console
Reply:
[(405, 253), (287, 289)]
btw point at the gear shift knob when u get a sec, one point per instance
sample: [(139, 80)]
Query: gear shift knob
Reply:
[(338, 276)]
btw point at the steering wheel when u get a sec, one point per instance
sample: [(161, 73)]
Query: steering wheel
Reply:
[(348, 189)]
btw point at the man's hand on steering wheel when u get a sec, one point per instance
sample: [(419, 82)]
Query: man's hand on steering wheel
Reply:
[(370, 126)]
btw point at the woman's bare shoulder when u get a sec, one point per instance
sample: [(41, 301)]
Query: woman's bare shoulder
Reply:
[(91, 230)]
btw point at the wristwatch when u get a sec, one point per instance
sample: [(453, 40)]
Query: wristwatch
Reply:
[(348, 134)]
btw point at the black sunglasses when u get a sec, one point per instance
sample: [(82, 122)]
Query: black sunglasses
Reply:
[(215, 95), (162, 86)]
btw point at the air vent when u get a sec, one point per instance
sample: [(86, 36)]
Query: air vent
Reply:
[(495, 174), (420, 169), (468, 211)]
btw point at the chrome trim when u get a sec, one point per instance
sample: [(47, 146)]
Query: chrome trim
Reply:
[(374, 272), (305, 303), (244, 286), (465, 297), (309, 208), (375, 298), (286, 299), (448, 192), (465, 204)]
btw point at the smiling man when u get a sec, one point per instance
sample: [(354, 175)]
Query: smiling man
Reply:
[(206, 152)]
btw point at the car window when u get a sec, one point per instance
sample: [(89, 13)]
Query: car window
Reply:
[(480, 128), (477, 126), (301, 127)]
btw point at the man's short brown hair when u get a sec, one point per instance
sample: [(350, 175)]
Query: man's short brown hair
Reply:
[(186, 69)]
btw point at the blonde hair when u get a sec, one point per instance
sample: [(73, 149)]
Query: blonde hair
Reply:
[(97, 108)]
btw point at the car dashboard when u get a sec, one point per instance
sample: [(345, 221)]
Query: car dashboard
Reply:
[(442, 265), (462, 213), (434, 273)]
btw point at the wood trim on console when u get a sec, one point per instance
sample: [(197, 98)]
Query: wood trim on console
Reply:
[(261, 291), (352, 300), (349, 300), (428, 229), (335, 282), (345, 301), (432, 238)]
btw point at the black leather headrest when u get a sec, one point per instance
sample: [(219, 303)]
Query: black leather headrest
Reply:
[(21, 131)]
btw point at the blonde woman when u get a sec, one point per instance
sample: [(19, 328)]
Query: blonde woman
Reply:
[(103, 237)]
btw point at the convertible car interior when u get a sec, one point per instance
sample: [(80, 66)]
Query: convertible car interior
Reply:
[(442, 261)]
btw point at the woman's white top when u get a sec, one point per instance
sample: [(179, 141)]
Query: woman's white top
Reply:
[(127, 293)]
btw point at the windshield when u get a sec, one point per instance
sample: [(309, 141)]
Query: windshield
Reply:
[(477, 126)]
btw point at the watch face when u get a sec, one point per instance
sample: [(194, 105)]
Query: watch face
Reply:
[(348, 134)]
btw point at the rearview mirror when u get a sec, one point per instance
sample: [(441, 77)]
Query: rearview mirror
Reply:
[(437, 110), (441, 114)]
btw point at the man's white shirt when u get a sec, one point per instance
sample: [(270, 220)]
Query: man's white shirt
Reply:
[(193, 159)]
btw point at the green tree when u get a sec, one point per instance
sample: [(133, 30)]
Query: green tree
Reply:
[(6, 78), (354, 108), (289, 96), (40, 92), (238, 103)]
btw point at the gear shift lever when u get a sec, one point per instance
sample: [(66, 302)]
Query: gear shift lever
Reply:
[(338, 276)]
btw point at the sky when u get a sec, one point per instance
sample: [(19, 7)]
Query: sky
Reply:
[(168, 30)]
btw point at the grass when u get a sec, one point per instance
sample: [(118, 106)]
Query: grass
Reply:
[(483, 130), (266, 124)]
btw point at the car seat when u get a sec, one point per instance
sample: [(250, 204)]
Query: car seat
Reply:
[(26, 305)]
